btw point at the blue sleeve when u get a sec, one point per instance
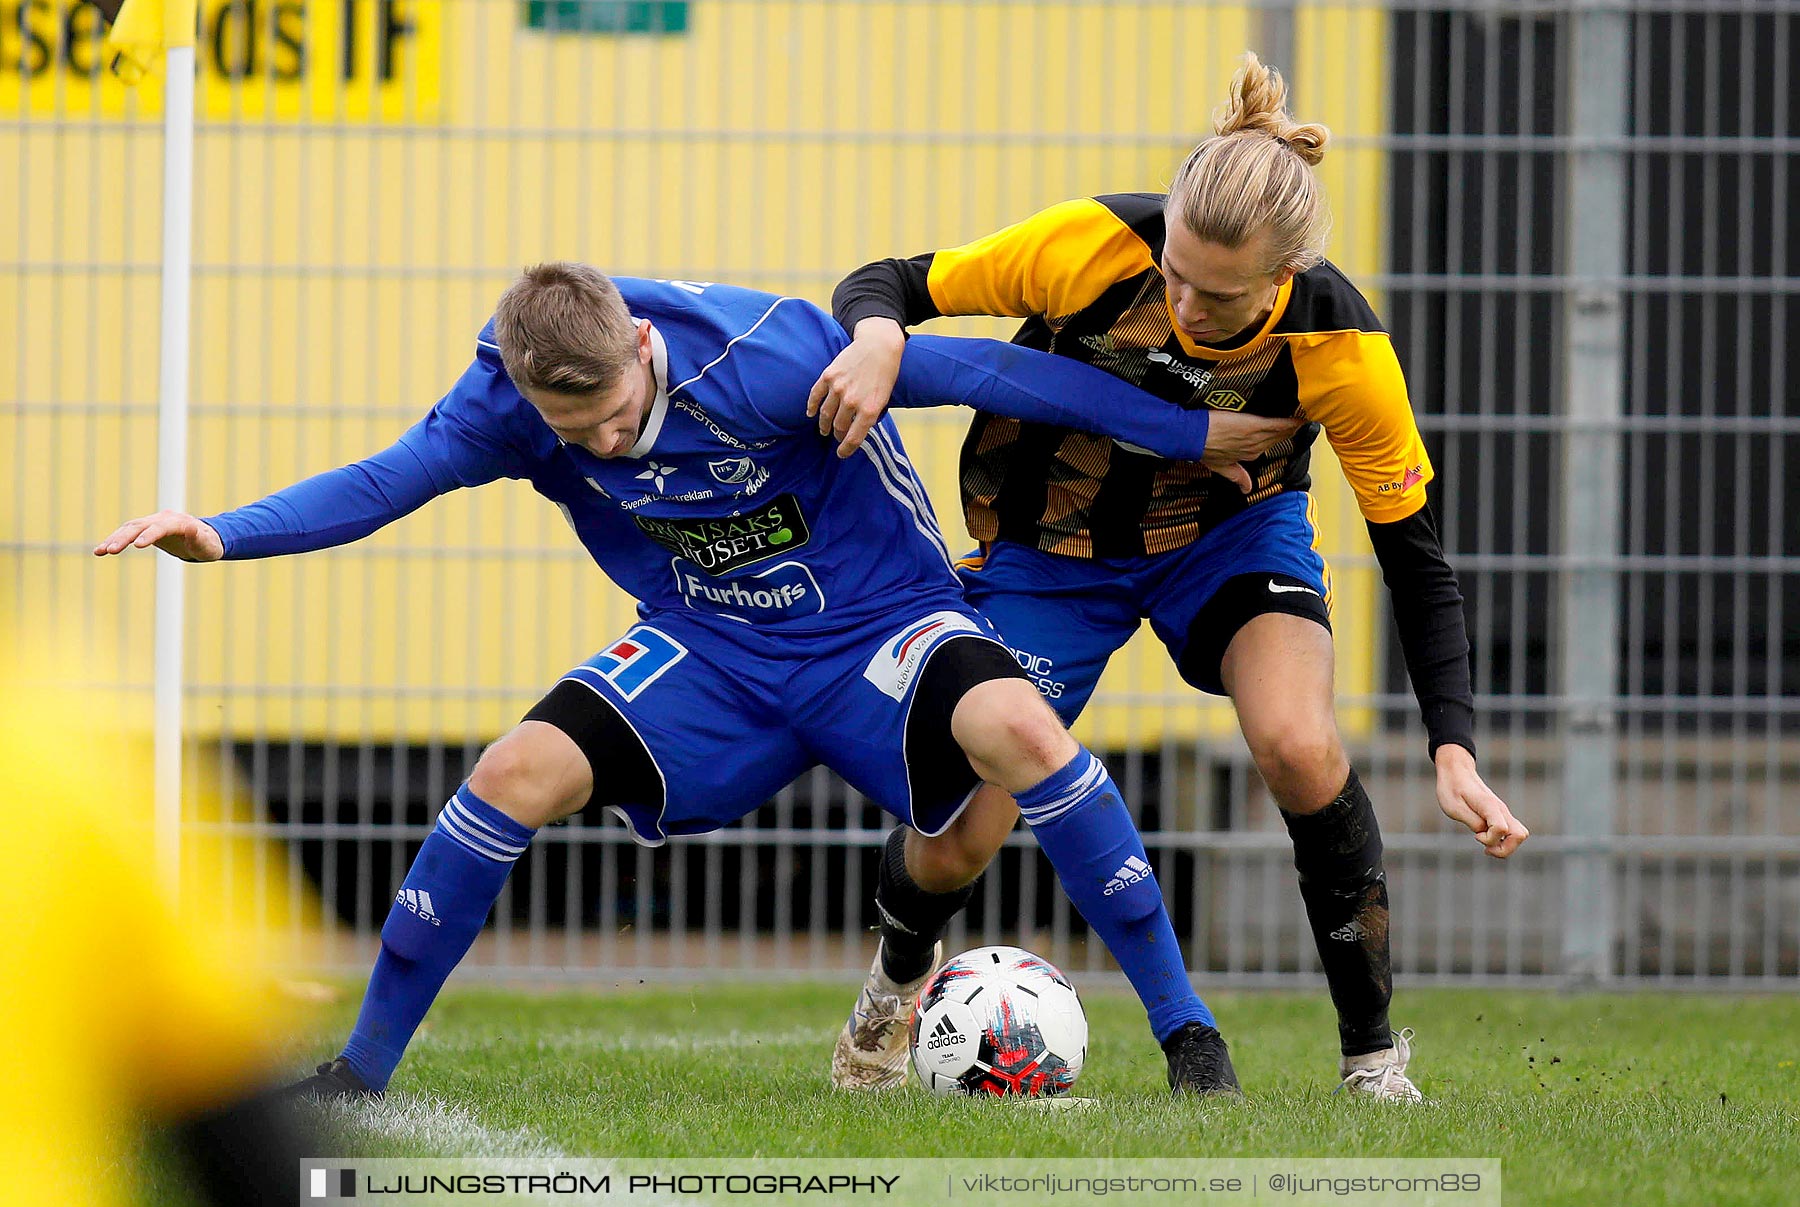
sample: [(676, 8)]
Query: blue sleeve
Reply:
[(332, 508), (462, 441), (1005, 379)]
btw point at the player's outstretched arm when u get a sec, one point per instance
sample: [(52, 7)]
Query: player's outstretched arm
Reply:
[(333, 508), (463, 441), (855, 390), (174, 532), (1005, 379)]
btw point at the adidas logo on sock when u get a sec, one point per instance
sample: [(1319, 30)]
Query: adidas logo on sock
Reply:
[(945, 1035), (1350, 932), (1129, 873), (419, 902)]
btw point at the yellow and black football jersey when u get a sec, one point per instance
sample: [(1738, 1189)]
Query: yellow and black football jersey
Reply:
[(1086, 276)]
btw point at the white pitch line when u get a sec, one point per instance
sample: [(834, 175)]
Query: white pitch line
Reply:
[(426, 1123)]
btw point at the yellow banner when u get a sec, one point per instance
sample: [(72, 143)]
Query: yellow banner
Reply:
[(289, 60)]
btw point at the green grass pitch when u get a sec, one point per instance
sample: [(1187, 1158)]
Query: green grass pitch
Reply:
[(1629, 1098)]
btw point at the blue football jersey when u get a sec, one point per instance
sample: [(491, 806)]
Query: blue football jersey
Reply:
[(730, 506)]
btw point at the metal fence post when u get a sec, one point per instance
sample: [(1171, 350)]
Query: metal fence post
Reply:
[(1593, 392)]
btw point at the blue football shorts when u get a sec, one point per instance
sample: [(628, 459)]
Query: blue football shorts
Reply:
[(690, 725), (1064, 617)]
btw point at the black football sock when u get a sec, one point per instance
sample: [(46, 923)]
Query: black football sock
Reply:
[(912, 919), (1337, 852)]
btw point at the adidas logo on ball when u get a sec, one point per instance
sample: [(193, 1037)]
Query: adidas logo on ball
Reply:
[(944, 1035)]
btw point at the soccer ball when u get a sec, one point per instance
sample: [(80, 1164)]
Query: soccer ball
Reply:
[(1001, 1021)]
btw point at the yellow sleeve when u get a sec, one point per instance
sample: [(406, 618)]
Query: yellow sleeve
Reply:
[(1351, 385), (1052, 264)]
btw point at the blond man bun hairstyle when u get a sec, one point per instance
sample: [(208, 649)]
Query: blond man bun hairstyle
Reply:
[(1255, 175)]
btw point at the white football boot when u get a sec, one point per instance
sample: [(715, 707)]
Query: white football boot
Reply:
[(874, 1048), (1381, 1075)]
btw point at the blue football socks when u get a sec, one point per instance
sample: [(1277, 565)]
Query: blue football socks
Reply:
[(1082, 824), (437, 913)]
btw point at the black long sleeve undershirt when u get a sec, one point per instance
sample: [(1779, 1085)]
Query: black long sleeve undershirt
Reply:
[(1428, 608), (892, 288)]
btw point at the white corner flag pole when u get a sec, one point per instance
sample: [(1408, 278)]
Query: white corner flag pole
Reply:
[(171, 447)]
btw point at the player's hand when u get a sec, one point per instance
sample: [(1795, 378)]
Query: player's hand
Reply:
[(851, 395), (1232, 438), (174, 532), (1465, 797)]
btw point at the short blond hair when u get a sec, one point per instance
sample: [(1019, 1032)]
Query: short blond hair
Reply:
[(563, 327), (1255, 175)]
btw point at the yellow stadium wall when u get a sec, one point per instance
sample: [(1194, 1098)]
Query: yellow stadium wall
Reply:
[(355, 222)]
